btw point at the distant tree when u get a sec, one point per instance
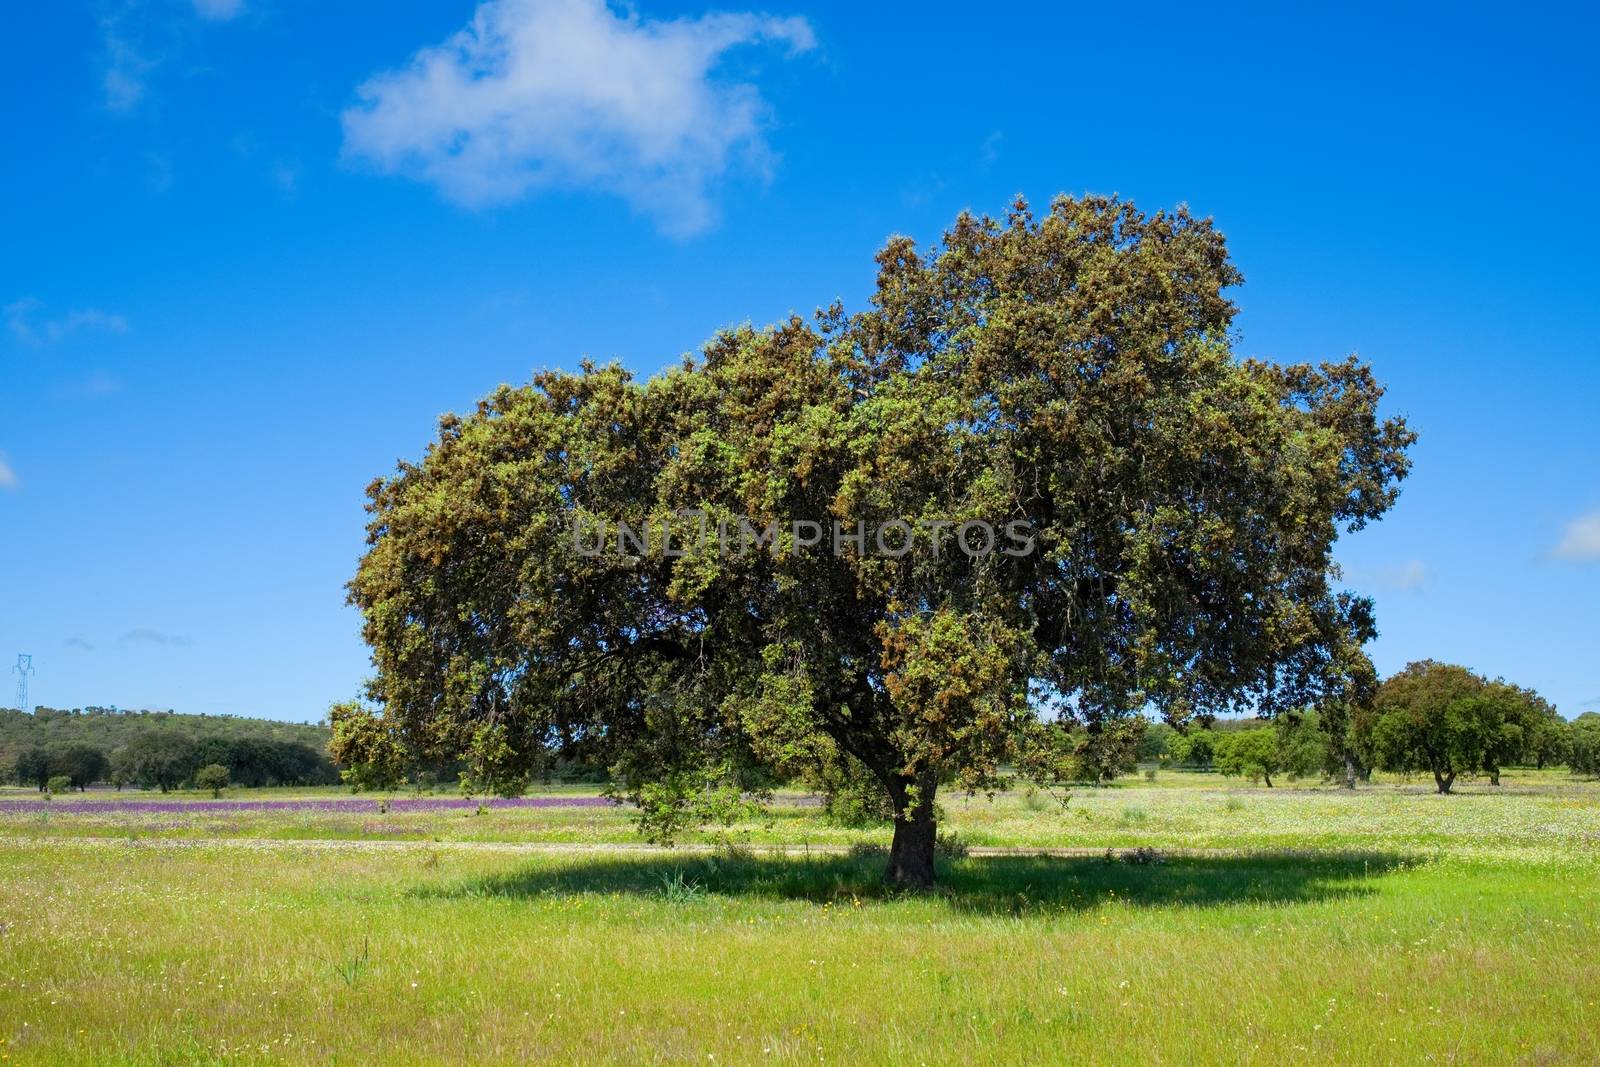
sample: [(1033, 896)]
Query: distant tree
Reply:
[(295, 763), (83, 764), (1435, 717), (1344, 716), (1504, 736), (1153, 749), (240, 755), (1531, 730), (1447, 720), (157, 760), (1251, 754), (33, 767), (1548, 745), (1582, 744), (213, 776), (1194, 747), (1303, 745), (1111, 750)]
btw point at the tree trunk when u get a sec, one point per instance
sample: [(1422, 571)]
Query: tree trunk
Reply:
[(1494, 775), (1349, 769), (1444, 780), (915, 832), (1268, 779)]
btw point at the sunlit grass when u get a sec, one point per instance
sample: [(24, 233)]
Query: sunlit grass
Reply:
[(1533, 814), (1381, 927)]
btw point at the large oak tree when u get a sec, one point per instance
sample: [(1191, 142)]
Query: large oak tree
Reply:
[(1072, 372)]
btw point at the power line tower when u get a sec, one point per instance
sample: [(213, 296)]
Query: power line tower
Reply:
[(23, 668)]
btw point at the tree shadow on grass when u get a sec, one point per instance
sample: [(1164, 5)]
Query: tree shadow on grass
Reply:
[(995, 885)]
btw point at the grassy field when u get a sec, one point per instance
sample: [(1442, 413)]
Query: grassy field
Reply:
[(1270, 926)]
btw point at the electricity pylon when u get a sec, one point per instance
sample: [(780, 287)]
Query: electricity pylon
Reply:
[(23, 668)]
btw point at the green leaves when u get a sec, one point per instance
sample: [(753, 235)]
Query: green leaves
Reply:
[(1442, 718), (1069, 372)]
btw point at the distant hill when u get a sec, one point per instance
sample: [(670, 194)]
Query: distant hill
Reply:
[(110, 728)]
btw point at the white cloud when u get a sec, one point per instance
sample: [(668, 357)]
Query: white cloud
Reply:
[(141, 36), (1581, 540), (93, 386), (99, 383), (8, 476), (989, 151), (1410, 575), (126, 68), (27, 325), (218, 10), (286, 176), (537, 94)]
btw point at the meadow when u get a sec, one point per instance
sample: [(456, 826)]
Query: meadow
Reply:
[(1189, 919)]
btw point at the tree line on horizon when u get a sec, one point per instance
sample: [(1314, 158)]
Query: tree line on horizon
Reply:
[(158, 750), (1432, 718)]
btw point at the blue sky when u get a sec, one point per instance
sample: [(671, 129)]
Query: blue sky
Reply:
[(252, 248)]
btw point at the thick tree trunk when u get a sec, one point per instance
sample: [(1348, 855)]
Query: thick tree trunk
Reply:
[(1268, 779), (915, 833), (1444, 780), (1494, 775), (1349, 770)]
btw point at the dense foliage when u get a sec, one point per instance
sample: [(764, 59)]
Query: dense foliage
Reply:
[(1445, 720), (1253, 754), (1070, 373), (1582, 751), (213, 776), (158, 749)]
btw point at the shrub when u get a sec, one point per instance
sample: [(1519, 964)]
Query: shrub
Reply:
[(213, 776), (950, 845), (1034, 800), (677, 889), (58, 784)]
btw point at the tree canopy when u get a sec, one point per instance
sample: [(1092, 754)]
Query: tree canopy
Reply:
[(1582, 747), (1252, 754), (1066, 379), (1446, 720)]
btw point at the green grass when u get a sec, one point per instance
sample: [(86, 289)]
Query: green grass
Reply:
[(1383, 927), (1532, 815)]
